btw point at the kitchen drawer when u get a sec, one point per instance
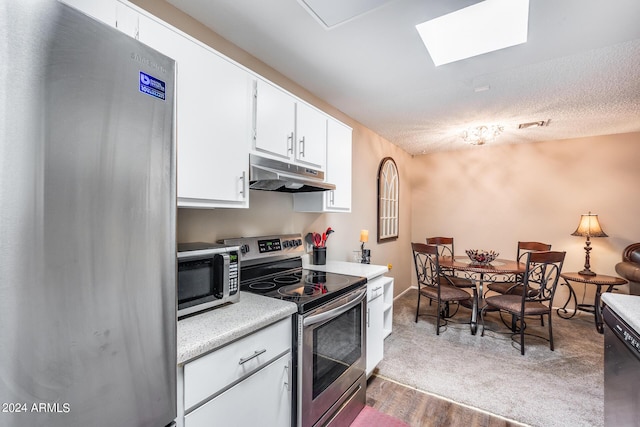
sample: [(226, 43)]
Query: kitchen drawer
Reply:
[(262, 399), (206, 376)]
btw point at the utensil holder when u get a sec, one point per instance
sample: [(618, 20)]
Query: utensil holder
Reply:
[(319, 256)]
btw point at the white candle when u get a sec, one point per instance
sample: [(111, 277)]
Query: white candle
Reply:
[(364, 236)]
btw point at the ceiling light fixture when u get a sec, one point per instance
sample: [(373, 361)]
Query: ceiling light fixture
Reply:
[(481, 134), (481, 28)]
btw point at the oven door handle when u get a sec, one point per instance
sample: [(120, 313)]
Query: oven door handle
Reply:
[(355, 300)]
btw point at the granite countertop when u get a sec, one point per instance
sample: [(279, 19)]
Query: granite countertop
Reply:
[(369, 271), (207, 331), (627, 307)]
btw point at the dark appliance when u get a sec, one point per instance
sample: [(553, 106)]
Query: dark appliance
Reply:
[(621, 371), (329, 329), (207, 276)]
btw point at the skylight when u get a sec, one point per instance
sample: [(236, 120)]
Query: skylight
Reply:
[(484, 27)]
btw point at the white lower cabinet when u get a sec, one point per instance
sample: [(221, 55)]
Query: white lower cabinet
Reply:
[(262, 399), (387, 305), (245, 383), (375, 318), (379, 318)]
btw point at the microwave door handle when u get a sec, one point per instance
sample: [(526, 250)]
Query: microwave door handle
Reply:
[(225, 275), (357, 299)]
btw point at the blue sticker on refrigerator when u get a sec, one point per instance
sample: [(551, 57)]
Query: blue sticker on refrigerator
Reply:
[(152, 86)]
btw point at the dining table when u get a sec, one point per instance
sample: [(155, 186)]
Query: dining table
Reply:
[(498, 270)]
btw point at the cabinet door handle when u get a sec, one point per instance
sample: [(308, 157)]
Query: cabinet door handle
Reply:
[(257, 353), (287, 383), (332, 200), (290, 143), (302, 145), (368, 316), (243, 186)]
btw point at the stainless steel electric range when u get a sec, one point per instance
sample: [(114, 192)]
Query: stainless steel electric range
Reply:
[(329, 328)]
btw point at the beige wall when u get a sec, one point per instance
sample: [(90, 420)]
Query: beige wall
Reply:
[(492, 196), (271, 212), (486, 197)]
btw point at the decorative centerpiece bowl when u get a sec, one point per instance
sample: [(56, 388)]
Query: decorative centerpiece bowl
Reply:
[(480, 256)]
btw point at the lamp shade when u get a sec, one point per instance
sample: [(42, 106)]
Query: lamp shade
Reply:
[(589, 226)]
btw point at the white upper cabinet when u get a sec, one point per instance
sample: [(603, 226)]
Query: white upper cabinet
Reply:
[(338, 173), (311, 136), (339, 164), (214, 101), (110, 12), (224, 112), (275, 121), (288, 129), (213, 120), (104, 10), (127, 19)]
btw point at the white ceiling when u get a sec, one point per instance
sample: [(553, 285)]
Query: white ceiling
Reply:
[(580, 68)]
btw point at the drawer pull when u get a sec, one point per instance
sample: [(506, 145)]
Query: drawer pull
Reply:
[(257, 353)]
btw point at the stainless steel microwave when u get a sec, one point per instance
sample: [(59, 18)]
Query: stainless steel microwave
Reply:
[(208, 276)]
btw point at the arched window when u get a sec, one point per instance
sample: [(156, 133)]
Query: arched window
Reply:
[(388, 200)]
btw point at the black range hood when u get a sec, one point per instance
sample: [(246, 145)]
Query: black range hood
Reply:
[(274, 175)]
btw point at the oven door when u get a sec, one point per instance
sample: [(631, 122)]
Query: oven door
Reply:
[(331, 356)]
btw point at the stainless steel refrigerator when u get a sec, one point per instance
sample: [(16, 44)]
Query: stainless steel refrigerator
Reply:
[(87, 223)]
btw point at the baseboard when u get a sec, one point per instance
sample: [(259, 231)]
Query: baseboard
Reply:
[(404, 292)]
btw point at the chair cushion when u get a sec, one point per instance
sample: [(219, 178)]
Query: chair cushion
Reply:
[(447, 293), (503, 287), (513, 304), (461, 282)]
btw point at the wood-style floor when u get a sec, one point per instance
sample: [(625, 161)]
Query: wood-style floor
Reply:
[(420, 409)]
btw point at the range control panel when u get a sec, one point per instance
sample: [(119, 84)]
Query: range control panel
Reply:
[(264, 247)]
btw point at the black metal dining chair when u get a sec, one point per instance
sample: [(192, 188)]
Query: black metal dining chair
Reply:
[(446, 248), (434, 285), (537, 290), (523, 249)]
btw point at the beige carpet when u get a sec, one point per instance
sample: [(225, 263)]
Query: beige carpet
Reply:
[(542, 388)]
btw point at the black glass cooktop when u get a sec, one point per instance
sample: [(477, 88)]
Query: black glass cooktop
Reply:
[(307, 288)]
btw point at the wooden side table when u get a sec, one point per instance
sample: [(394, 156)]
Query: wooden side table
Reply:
[(599, 280)]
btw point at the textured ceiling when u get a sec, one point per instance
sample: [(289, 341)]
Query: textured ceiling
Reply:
[(580, 68)]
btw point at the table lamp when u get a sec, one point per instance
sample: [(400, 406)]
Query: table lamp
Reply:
[(366, 253), (589, 226)]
